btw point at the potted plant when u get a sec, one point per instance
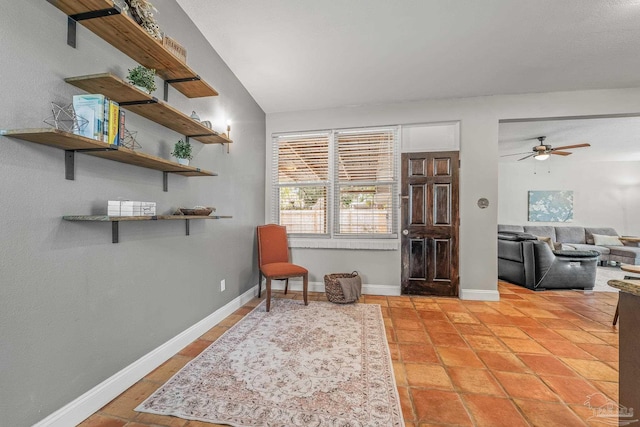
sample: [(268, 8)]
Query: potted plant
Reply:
[(143, 78), (182, 152)]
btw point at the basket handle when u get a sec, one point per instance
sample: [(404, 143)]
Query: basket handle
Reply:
[(354, 273)]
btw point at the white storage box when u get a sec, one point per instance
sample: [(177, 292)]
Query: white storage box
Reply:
[(130, 208)]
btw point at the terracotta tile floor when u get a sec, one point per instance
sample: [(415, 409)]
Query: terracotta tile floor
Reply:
[(531, 359)]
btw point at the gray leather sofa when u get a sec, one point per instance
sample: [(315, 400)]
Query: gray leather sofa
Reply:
[(581, 238), (526, 261)]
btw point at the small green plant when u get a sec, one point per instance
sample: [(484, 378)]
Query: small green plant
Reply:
[(182, 150), (144, 77)]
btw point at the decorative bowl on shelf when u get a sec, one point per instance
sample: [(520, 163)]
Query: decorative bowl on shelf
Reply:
[(196, 210)]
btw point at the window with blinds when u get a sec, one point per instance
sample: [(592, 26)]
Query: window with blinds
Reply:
[(366, 181), (301, 168), (336, 183)]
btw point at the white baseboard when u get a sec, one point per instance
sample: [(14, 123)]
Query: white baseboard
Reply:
[(479, 295), (367, 289), (387, 290), (78, 410)]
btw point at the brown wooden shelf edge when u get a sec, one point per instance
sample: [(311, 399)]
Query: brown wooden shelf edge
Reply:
[(107, 218), (147, 106), (72, 143), (115, 220), (126, 35)]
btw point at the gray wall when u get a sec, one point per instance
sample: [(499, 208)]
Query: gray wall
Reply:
[(605, 194), (75, 308), (479, 121)]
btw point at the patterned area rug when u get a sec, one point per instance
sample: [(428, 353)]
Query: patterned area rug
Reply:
[(318, 365)]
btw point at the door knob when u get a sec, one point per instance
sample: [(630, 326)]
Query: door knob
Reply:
[(405, 232)]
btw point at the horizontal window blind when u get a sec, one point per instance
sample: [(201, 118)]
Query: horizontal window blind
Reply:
[(301, 182), (366, 156), (303, 159), (366, 178)]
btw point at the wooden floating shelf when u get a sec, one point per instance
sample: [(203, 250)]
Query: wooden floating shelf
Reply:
[(71, 143), (133, 99), (125, 34), (106, 218), (115, 220)]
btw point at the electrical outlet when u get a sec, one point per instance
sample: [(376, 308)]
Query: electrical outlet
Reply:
[(223, 285)]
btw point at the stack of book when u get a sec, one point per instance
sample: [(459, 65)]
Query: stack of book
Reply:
[(105, 119), (130, 208)]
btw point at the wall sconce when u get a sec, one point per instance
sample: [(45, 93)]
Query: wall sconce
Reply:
[(229, 129)]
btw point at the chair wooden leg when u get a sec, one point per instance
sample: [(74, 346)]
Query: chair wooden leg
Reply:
[(615, 316), (268, 293), (305, 287), (259, 283), (286, 285)]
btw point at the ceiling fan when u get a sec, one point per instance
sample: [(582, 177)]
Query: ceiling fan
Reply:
[(542, 151)]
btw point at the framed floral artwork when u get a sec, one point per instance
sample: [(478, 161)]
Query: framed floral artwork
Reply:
[(550, 206)]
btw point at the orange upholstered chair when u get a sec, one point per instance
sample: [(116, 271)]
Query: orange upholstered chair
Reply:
[(273, 260)]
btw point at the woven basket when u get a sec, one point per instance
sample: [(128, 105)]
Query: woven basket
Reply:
[(333, 289)]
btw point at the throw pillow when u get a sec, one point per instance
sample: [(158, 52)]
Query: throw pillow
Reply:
[(602, 240), (547, 240)]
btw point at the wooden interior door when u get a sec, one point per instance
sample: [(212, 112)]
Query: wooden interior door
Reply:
[(430, 222)]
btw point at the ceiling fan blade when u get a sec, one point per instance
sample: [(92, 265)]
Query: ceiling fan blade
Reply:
[(571, 146), (515, 154), (526, 157), (560, 153)]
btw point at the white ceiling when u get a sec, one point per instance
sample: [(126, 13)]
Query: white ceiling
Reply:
[(309, 54), (611, 139)]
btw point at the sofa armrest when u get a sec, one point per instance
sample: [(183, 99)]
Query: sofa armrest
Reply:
[(569, 268), (516, 237), (568, 255)]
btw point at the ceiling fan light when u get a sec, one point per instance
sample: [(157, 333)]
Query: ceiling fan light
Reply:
[(541, 157)]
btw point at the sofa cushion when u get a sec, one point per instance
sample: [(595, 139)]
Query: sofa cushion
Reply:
[(511, 228), (602, 240), (541, 231), (547, 240), (590, 231), (584, 247), (626, 252), (570, 235)]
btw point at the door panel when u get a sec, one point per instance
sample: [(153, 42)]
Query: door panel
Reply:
[(442, 259), (418, 205), (430, 222), (442, 167), (418, 262), (442, 204), (418, 167)]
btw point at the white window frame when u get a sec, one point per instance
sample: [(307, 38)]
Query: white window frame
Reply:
[(333, 239)]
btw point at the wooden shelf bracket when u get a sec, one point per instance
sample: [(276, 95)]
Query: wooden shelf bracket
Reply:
[(70, 160), (140, 102), (167, 82), (115, 229), (73, 19)]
